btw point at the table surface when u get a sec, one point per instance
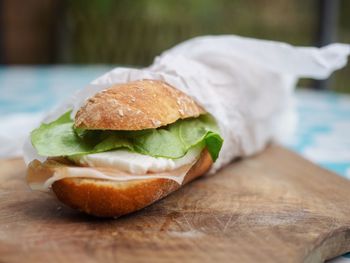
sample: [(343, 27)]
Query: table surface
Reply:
[(324, 117)]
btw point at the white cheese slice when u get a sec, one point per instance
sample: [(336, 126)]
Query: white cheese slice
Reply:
[(136, 163)]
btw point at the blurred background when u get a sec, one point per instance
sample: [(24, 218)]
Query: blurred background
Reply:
[(124, 32)]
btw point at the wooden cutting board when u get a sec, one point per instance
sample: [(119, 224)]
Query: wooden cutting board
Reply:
[(274, 207)]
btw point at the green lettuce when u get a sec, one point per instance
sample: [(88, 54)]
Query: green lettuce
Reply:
[(61, 138)]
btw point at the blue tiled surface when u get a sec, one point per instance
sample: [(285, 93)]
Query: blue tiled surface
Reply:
[(37, 89), (323, 134)]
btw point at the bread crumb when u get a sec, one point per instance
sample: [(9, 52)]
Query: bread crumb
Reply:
[(120, 112)]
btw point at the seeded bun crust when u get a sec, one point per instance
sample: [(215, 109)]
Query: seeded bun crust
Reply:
[(137, 105)]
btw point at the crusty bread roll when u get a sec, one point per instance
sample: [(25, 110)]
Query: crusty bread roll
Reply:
[(135, 105)]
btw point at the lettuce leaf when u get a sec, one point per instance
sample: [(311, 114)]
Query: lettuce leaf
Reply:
[(60, 138)]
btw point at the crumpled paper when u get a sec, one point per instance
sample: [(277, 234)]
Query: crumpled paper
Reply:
[(246, 84)]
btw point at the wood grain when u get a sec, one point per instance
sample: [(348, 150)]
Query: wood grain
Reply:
[(274, 207)]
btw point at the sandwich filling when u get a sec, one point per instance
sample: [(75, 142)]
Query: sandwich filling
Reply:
[(136, 163), (166, 152)]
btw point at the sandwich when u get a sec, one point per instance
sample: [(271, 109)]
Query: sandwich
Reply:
[(125, 148)]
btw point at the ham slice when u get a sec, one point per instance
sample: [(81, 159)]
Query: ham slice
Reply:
[(52, 170)]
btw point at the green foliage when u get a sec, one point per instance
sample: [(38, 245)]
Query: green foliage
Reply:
[(129, 32)]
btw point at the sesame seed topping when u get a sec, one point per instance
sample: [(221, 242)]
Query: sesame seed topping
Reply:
[(120, 112), (156, 122), (140, 88)]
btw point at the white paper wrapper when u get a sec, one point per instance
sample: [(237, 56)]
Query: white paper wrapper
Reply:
[(246, 84)]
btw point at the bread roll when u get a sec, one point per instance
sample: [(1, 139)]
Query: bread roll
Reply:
[(137, 105)]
